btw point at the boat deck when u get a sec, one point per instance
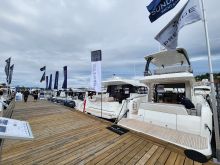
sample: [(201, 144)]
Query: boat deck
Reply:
[(178, 137), (65, 136)]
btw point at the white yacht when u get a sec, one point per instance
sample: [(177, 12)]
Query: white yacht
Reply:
[(78, 98), (172, 112), (112, 102)]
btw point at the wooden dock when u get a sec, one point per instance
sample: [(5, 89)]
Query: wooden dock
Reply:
[(66, 136)]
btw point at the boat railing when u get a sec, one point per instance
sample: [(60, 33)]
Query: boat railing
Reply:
[(122, 107), (125, 102)]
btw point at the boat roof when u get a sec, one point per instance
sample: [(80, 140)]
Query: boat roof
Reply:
[(169, 78), (119, 81), (169, 57)]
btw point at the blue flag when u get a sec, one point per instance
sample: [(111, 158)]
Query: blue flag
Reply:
[(10, 74), (153, 5), (7, 68), (159, 7), (50, 83), (46, 82), (43, 77), (56, 80), (64, 86), (43, 68)]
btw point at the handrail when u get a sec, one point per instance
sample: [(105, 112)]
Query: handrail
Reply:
[(9, 110), (116, 120), (128, 99)]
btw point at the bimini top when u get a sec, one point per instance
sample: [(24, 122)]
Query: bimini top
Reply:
[(120, 81), (172, 61), (169, 58)]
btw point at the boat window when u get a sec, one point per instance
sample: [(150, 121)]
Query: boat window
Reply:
[(142, 90), (169, 93), (120, 92), (126, 90), (201, 89)]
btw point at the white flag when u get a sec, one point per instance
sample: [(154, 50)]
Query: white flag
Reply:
[(95, 81), (190, 13)]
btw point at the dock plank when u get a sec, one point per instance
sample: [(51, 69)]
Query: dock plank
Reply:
[(155, 156), (124, 153), (147, 156), (108, 150), (172, 158), (163, 157), (129, 156), (180, 160), (118, 151)]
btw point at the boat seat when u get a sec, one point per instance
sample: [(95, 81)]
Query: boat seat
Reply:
[(165, 108)]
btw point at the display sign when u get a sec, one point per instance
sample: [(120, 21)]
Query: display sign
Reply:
[(95, 80), (96, 55), (15, 129)]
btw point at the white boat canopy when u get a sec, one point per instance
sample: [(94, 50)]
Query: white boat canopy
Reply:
[(169, 58), (169, 78), (119, 81)]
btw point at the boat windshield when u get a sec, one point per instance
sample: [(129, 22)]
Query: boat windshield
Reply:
[(125, 90), (169, 93), (141, 90)]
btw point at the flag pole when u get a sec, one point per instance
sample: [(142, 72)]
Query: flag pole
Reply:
[(101, 104), (215, 112)]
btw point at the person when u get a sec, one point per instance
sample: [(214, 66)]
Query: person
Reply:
[(58, 93), (3, 105), (35, 94), (90, 94), (26, 94)]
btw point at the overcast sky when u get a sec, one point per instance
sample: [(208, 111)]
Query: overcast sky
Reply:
[(55, 33)]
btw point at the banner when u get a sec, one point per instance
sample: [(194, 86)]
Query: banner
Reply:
[(46, 82), (7, 68), (159, 7), (43, 68), (50, 82), (10, 74), (153, 5), (190, 13), (56, 80), (43, 77), (64, 86), (95, 81)]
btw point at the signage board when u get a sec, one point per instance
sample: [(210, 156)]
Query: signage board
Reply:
[(15, 129)]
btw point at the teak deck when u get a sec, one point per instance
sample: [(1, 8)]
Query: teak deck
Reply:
[(66, 136)]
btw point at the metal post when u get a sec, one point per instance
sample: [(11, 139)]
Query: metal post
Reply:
[(101, 104), (215, 113)]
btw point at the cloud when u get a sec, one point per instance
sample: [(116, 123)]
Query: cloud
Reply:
[(64, 32)]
